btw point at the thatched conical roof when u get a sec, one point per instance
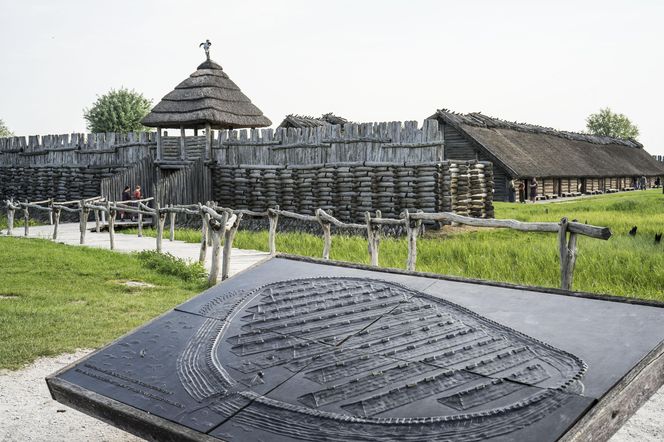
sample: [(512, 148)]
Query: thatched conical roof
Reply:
[(207, 96)]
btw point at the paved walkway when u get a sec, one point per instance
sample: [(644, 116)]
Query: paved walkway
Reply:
[(68, 233)]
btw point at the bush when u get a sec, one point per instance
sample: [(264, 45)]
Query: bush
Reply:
[(118, 111), (167, 264)]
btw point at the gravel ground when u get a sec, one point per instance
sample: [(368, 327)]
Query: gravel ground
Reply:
[(29, 414)]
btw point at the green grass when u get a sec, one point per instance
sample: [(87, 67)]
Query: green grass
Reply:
[(56, 298), (623, 265)]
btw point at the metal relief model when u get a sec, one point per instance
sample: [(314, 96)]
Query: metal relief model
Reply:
[(364, 359)]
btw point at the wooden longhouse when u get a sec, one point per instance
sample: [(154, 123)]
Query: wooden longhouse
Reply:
[(564, 163)]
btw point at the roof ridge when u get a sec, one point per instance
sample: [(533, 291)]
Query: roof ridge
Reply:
[(478, 119)]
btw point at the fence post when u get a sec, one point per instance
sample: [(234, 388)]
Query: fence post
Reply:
[(327, 235), (567, 252), (273, 217), (172, 225), (140, 224), (161, 220), (97, 226), (56, 219), (228, 245), (10, 217), (83, 221), (208, 217), (413, 229), (50, 212), (204, 234), (26, 220), (111, 224), (216, 230), (373, 236)]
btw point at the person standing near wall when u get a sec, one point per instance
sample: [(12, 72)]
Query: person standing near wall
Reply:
[(137, 193), (522, 192), (126, 196), (533, 189)]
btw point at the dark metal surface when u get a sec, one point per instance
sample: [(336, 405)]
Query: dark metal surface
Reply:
[(291, 350)]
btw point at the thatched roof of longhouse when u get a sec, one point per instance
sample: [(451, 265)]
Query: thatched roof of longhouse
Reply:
[(527, 150), (300, 121), (207, 96)]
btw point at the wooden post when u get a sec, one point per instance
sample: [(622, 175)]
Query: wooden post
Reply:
[(159, 145), (207, 233), (140, 225), (10, 218), (562, 253), (97, 226), (373, 236), (161, 220), (567, 252), (327, 235), (83, 221), (111, 224), (208, 141), (228, 245), (413, 229), (216, 230), (183, 147), (26, 220), (56, 219), (273, 217), (172, 225), (50, 212), (204, 234)]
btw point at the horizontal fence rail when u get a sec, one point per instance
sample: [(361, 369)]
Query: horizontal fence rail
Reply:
[(220, 224)]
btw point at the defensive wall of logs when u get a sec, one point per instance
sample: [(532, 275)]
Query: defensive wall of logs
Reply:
[(350, 189), (346, 170)]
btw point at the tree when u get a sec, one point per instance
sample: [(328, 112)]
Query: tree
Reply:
[(609, 124), (118, 111), (4, 130)]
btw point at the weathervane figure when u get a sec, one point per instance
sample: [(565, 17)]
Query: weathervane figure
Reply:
[(206, 47)]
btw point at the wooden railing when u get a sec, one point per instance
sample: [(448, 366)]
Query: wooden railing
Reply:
[(220, 224)]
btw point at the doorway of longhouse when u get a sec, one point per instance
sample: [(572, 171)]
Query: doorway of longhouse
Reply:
[(583, 185)]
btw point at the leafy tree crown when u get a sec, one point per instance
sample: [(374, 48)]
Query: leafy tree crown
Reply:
[(610, 124), (118, 111), (4, 130)]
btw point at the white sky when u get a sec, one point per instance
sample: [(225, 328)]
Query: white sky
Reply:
[(543, 62)]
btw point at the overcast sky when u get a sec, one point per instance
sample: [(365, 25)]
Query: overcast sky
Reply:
[(544, 62)]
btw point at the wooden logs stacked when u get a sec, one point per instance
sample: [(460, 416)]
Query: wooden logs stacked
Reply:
[(305, 190), (345, 193), (351, 189), (462, 204), (363, 191), (287, 187), (324, 188), (489, 185), (477, 190), (384, 190), (426, 187)]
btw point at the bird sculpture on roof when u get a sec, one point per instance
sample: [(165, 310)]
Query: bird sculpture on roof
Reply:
[(206, 47)]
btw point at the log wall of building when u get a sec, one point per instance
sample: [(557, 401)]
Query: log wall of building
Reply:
[(348, 190)]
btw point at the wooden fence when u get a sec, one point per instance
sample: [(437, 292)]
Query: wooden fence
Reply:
[(376, 142), (142, 173), (219, 226), (192, 183)]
